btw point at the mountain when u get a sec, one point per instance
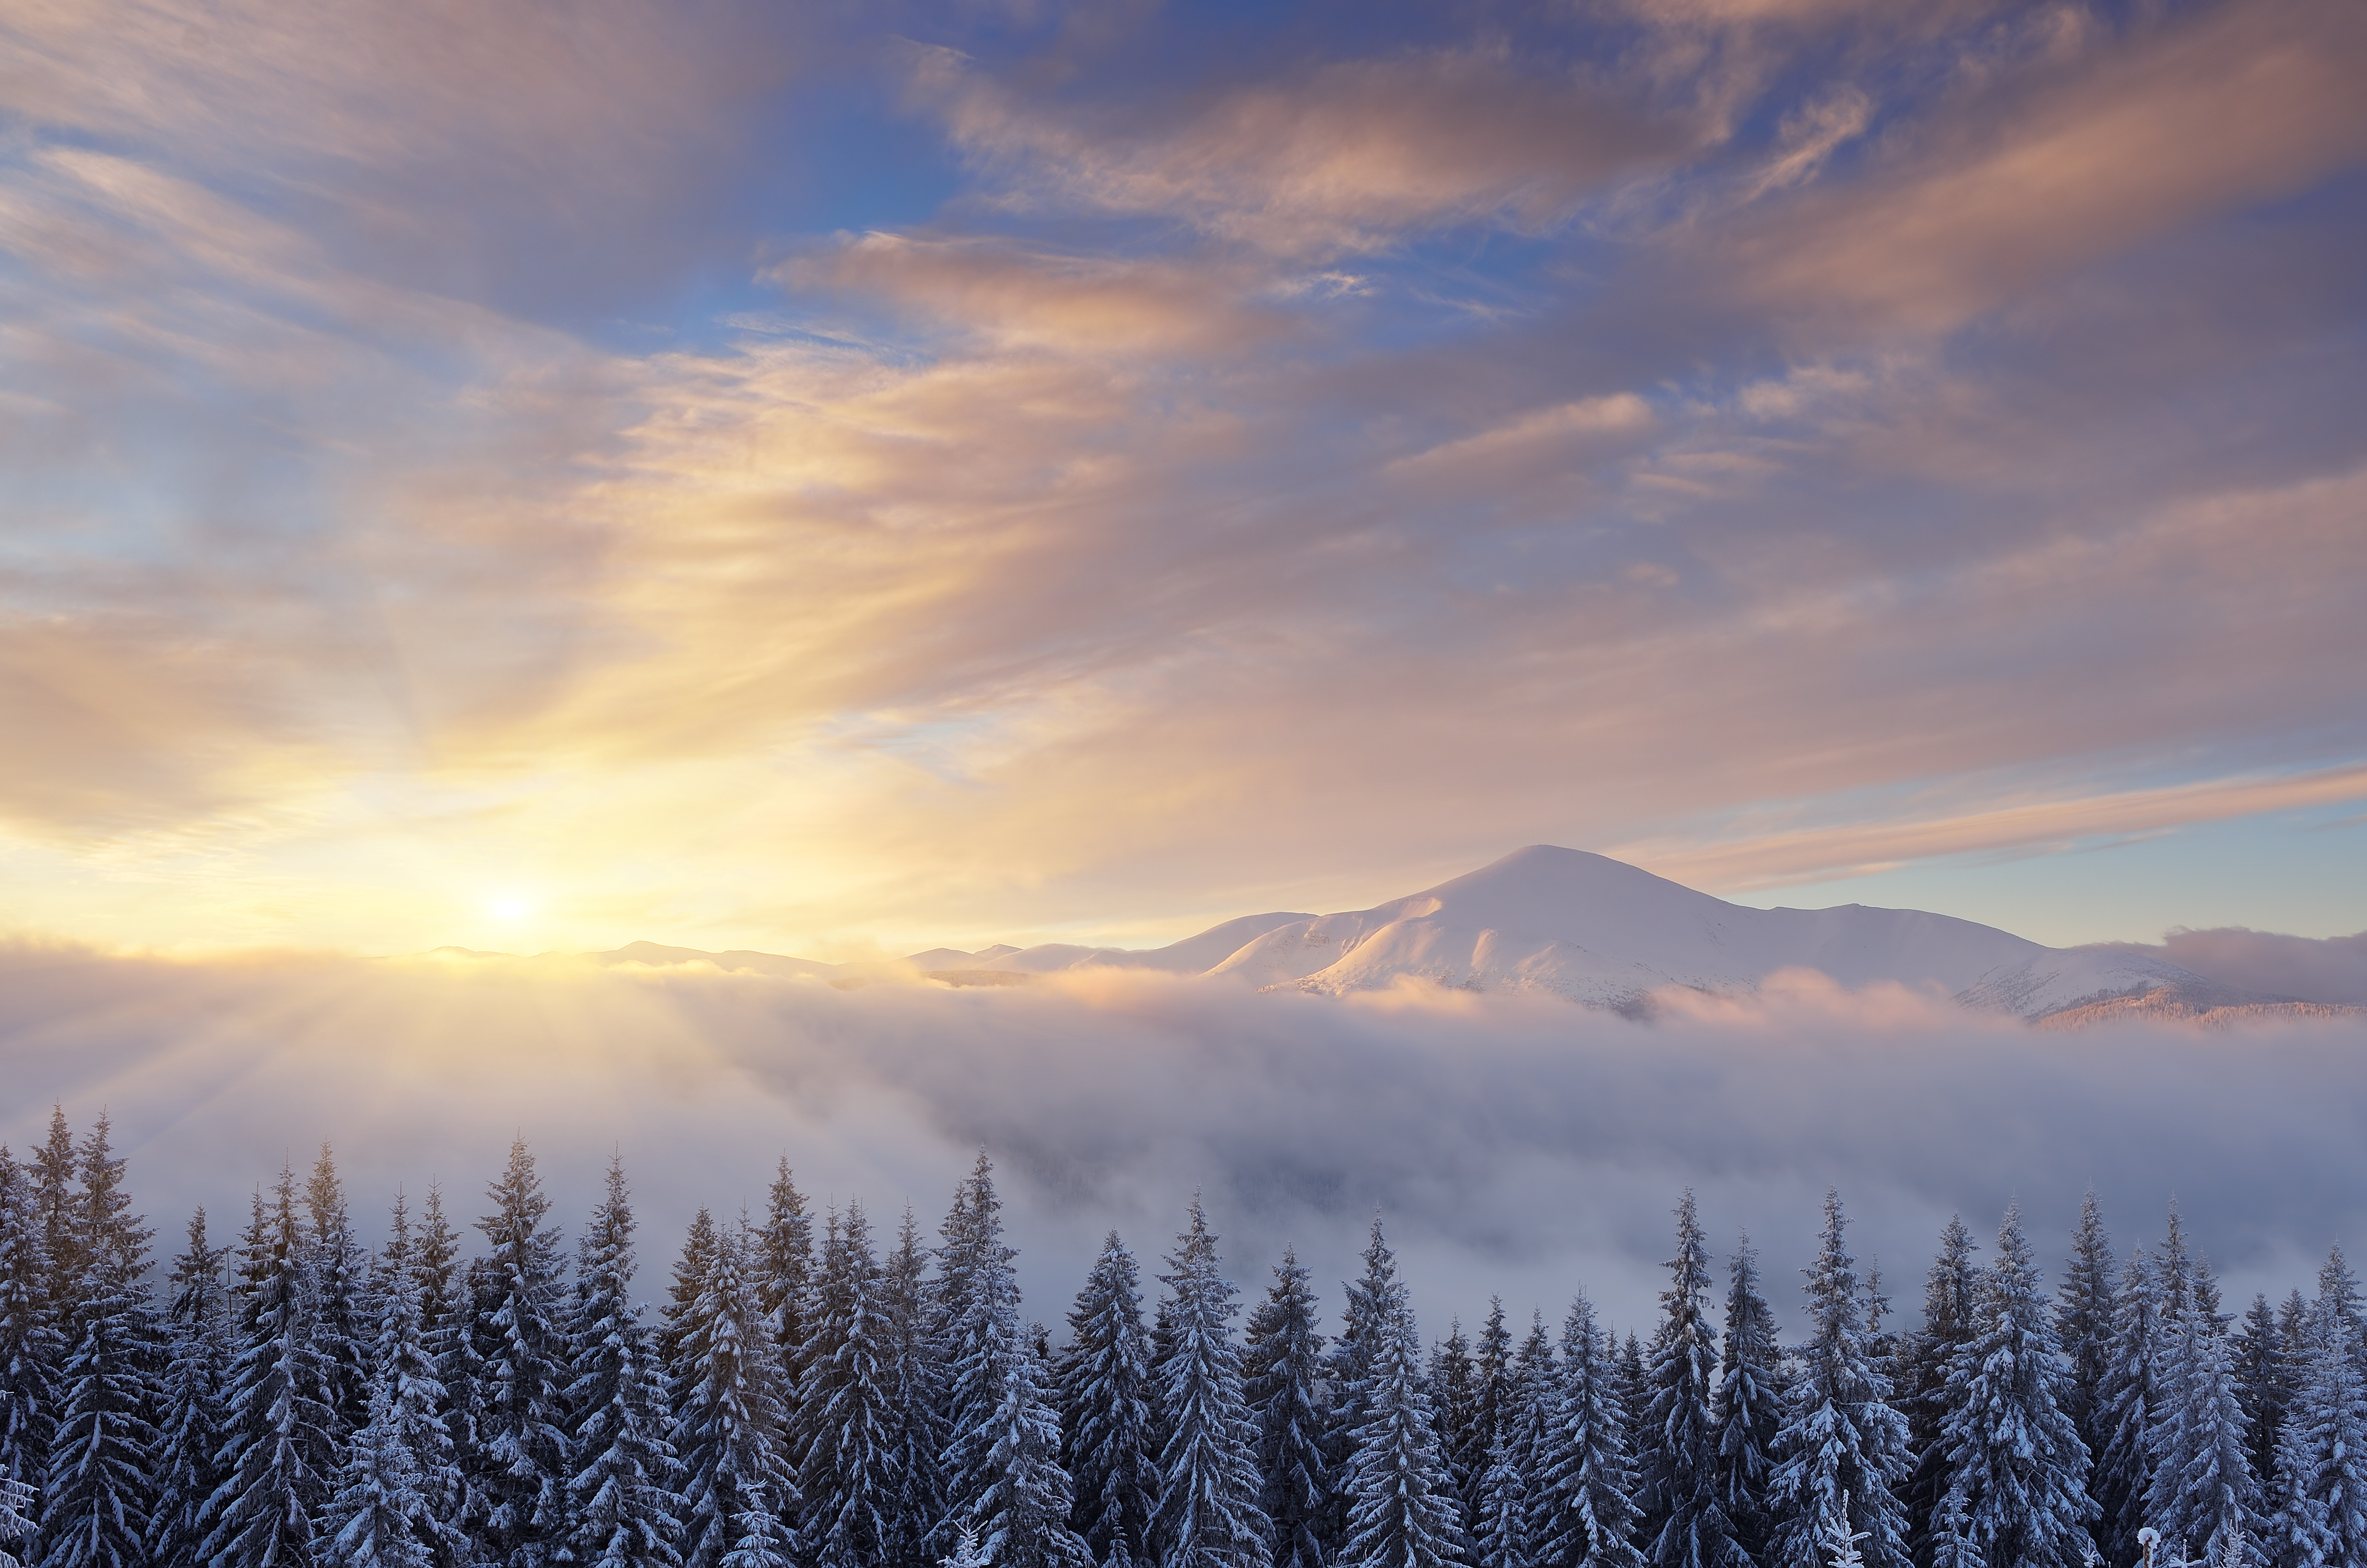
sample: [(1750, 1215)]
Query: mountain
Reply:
[(1567, 923)]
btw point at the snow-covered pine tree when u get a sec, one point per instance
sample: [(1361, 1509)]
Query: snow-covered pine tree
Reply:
[(622, 1501), (846, 1418), (521, 1447), (1105, 1397), (1951, 1299), (435, 1264), (278, 1457), (1492, 1374), (2017, 1469), (2321, 1466), (1529, 1412), (2122, 1477), (1462, 1437), (739, 1499), (1842, 1450), (31, 1347), (2266, 1383), (1749, 1407), (1282, 1375), (1208, 1514), (407, 1402), (2087, 1308), (682, 1291), (1403, 1510), (1582, 1482), (17, 1505), (784, 1263), (2204, 1498), (1347, 1368), (344, 1319), (1631, 1376), (916, 1398), (1684, 1518), (1503, 1540), (52, 1169), (194, 1416), (101, 1497), (371, 1520), (1002, 1460)]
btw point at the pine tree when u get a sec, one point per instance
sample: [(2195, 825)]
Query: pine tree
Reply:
[(1582, 1486), (1282, 1375), (1208, 1514), (1347, 1370), (739, 1498), (31, 1347), (435, 1264), (1532, 1405), (197, 1379), (1951, 1297), (521, 1447), (689, 1283), (2017, 1469), (1001, 1461), (278, 1456), (1842, 1450), (406, 1403), (372, 1519), (846, 1410), (2204, 1498), (621, 1500), (1106, 1402), (915, 1396), (2322, 1455), (783, 1265), (1633, 1384), (2086, 1311), (52, 1169), (2266, 1383), (1503, 1540), (1683, 1515), (1462, 1437), (1750, 1409), (1492, 1377), (101, 1496), (343, 1320), (2128, 1396), (1402, 1511)]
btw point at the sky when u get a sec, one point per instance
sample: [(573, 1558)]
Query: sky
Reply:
[(832, 478)]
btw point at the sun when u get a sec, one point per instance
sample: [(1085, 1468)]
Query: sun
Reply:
[(509, 908)]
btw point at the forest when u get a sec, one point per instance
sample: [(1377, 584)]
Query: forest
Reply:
[(810, 1392)]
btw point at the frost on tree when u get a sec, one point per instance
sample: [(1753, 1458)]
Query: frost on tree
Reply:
[(1105, 1400), (622, 1502), (739, 1499), (845, 1415), (1951, 1297), (1842, 1450), (2122, 1477), (1749, 1412), (2320, 1466), (1283, 1377), (1208, 1484), (2205, 1499), (31, 1347), (197, 1375), (1583, 1486), (522, 1357), (1685, 1521), (2017, 1470), (1403, 1510)]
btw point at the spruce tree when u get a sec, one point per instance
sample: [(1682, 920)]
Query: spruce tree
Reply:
[(739, 1497), (1208, 1514), (1582, 1483), (2121, 1478), (916, 1397), (688, 1284), (372, 1519), (2086, 1313), (31, 1347), (1532, 1404), (407, 1404), (1106, 1402), (343, 1321), (100, 1501), (2205, 1498), (1841, 1452), (1683, 1515), (846, 1417), (1402, 1511), (1951, 1297), (1001, 1461), (2266, 1383), (521, 1456), (622, 1502), (1503, 1540), (1633, 1380), (193, 1420), (2017, 1469), (1750, 1408), (1492, 1377), (1462, 1433), (2321, 1466), (1282, 1375), (1347, 1370), (52, 1169), (278, 1458)]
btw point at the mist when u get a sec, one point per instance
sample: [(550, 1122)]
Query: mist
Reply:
[(1514, 1146)]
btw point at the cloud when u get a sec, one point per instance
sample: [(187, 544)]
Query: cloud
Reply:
[(2315, 969), (1514, 1146)]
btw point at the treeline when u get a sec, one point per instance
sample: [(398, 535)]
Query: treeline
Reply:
[(820, 1396)]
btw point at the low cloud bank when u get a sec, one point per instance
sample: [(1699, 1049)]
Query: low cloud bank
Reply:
[(2315, 969), (1514, 1145)]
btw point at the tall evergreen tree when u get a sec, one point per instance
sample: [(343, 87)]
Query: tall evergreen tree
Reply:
[(1106, 1402), (846, 1419), (52, 1169), (1841, 1452), (344, 1321), (1633, 1381), (1685, 1517), (435, 1264), (101, 1496), (32, 1348), (2017, 1469), (1402, 1511), (740, 1496), (521, 1452), (2204, 1498), (1208, 1514), (1951, 1300), (1282, 1378), (371, 1519), (406, 1405), (2087, 1310), (783, 1264), (2266, 1383), (622, 1503), (1492, 1371), (1531, 1408), (2321, 1466), (197, 1377), (1503, 1540), (917, 1398), (1582, 1484), (1347, 1370), (279, 1456), (2122, 1479), (1750, 1408), (1462, 1431)]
